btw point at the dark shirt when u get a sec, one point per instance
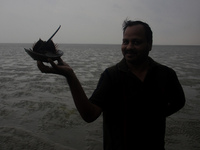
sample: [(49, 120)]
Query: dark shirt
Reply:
[(134, 112)]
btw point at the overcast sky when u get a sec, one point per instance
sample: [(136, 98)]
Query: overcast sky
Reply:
[(98, 21)]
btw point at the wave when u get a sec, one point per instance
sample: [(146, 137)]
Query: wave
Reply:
[(18, 139)]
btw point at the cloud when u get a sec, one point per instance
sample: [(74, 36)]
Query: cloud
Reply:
[(92, 21)]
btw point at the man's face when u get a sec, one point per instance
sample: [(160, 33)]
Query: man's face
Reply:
[(135, 47)]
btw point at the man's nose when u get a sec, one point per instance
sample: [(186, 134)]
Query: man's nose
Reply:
[(130, 46)]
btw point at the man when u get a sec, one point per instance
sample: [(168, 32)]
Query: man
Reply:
[(136, 95)]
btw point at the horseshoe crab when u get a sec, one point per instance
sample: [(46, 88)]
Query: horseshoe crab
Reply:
[(42, 50)]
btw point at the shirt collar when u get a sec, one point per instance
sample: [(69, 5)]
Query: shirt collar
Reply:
[(122, 65)]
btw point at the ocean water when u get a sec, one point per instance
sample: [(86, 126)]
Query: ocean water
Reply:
[(37, 110)]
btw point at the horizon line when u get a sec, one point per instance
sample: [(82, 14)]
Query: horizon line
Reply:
[(105, 44)]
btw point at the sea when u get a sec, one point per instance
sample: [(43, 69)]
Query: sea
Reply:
[(37, 111)]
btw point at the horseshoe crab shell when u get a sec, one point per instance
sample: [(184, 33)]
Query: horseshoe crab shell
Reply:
[(42, 50)]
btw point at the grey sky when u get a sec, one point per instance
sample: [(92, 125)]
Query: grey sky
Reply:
[(98, 21)]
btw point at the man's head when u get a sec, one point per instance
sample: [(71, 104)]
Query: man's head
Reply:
[(137, 41), (148, 31)]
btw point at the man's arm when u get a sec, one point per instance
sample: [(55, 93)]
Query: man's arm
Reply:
[(88, 111)]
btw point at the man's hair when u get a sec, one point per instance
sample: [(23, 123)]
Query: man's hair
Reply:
[(148, 31)]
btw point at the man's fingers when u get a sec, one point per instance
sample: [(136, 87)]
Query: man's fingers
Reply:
[(41, 66), (52, 63), (45, 69), (60, 61)]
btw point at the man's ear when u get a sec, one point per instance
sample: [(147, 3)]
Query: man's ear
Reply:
[(149, 46)]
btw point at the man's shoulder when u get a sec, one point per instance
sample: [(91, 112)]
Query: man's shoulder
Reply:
[(113, 72), (162, 68)]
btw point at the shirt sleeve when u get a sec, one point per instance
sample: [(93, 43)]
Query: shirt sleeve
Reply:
[(176, 97), (103, 91)]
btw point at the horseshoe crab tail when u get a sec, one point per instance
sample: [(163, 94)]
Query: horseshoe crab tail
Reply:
[(53, 34)]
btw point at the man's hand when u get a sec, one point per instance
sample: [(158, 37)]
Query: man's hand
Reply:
[(60, 68)]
